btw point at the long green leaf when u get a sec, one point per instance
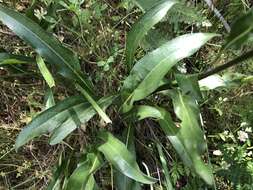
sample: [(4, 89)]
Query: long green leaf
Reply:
[(76, 119), (49, 48), (91, 184), (165, 168), (187, 111), (11, 59), (151, 69), (145, 23), (145, 5), (58, 116), (188, 139), (45, 44), (84, 173), (94, 104), (49, 98), (45, 72), (123, 182), (58, 173), (189, 85), (241, 30), (117, 153)]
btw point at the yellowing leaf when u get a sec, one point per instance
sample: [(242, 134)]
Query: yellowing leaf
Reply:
[(45, 72)]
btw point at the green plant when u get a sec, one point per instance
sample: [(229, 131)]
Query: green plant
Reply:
[(148, 77)]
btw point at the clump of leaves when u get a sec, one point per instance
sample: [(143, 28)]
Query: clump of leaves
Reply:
[(148, 76)]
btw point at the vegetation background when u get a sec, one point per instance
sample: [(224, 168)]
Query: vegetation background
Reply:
[(96, 30)]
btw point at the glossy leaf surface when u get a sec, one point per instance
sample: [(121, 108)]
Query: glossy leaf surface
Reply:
[(123, 182), (211, 82), (83, 174), (45, 44), (122, 159), (59, 117), (191, 134), (143, 25), (51, 49), (165, 168), (45, 72), (188, 139), (147, 73)]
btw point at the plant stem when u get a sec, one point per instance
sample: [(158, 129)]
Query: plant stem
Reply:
[(231, 63), (218, 14), (220, 68)]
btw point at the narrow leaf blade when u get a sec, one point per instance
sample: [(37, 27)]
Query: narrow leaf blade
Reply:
[(145, 23), (81, 175), (188, 139), (58, 115), (94, 104), (123, 182), (49, 48), (45, 72), (11, 59), (165, 168), (240, 31)]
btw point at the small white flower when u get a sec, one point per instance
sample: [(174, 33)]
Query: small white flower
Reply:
[(217, 153), (40, 13), (225, 99), (242, 136), (182, 68), (248, 129), (226, 132), (243, 124), (206, 23)]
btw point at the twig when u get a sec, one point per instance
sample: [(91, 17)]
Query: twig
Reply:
[(220, 68), (218, 14), (231, 63), (6, 32)]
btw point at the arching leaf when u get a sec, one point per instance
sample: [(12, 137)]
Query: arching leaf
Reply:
[(59, 117), (191, 134), (147, 73), (49, 48), (83, 174), (241, 31), (143, 25), (122, 182), (117, 153), (188, 139)]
